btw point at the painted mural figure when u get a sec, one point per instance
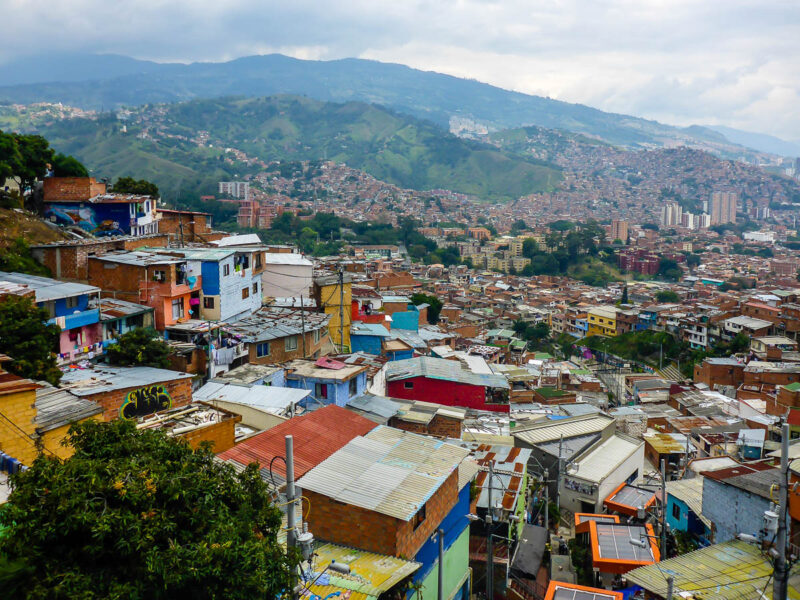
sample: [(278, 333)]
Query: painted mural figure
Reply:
[(145, 401)]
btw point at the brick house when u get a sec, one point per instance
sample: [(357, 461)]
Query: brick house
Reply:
[(363, 496), (129, 392), (186, 225), (84, 202), (425, 418), (426, 378), (719, 371), (274, 335)]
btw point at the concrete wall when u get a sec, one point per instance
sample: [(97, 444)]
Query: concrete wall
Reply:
[(286, 281), (732, 510)]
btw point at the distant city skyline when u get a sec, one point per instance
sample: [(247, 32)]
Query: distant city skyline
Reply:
[(712, 63)]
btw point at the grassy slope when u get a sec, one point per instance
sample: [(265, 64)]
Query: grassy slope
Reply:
[(398, 149)]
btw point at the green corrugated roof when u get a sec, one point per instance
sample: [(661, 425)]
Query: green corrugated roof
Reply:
[(793, 387)]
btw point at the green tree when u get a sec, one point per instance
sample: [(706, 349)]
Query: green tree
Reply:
[(139, 187), (434, 305), (668, 269), (35, 154), (28, 339), (667, 296), (624, 299), (137, 514), (68, 166), (140, 346)]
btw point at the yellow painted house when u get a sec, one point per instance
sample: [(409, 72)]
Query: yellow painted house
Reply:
[(335, 300), (35, 417), (602, 320)]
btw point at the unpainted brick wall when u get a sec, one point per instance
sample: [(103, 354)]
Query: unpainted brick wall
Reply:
[(179, 389)]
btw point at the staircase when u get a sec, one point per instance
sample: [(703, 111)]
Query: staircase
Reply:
[(671, 373)]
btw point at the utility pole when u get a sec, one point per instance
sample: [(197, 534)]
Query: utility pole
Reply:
[(303, 322), (781, 573), (558, 474), (663, 509), (546, 502), (489, 541), (440, 582), (180, 227), (290, 530), (670, 581), (341, 309)]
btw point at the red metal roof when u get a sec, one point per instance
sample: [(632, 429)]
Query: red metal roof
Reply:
[(316, 436), (722, 474)]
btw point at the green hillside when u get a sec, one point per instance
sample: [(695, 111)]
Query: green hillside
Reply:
[(395, 148)]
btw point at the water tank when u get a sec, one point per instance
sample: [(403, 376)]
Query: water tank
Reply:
[(770, 522)]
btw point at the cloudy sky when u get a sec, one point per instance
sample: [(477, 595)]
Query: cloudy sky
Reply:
[(727, 62)]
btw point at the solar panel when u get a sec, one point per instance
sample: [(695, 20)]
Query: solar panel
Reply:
[(597, 518), (614, 543), (563, 593), (632, 496)]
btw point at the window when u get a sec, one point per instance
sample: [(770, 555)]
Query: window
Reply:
[(676, 511), (354, 386), (317, 335), (160, 276), (419, 518), (72, 302), (262, 349), (255, 289), (258, 260), (409, 385), (208, 302), (226, 270), (245, 293), (50, 307), (321, 391), (290, 343), (177, 308)]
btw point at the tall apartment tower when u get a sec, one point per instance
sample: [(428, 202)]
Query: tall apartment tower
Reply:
[(619, 230), (235, 189), (671, 214), (723, 207)]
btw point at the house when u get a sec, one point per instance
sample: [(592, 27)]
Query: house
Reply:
[(197, 423), (447, 382), (161, 281), (612, 552), (719, 371), (84, 202), (286, 275), (602, 320), (259, 407), (274, 335), (317, 435), (129, 392), (186, 226), (37, 417), (368, 337), (380, 504), (735, 499), (559, 590), (426, 418), (772, 347), (68, 306), (329, 381), (118, 317), (748, 325), (335, 299), (685, 507)]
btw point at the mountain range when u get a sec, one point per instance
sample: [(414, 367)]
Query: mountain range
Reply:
[(109, 82)]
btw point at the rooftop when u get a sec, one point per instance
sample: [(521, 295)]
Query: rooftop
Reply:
[(266, 398), (439, 368), (388, 471), (105, 378), (272, 323), (56, 407), (605, 458), (47, 289), (297, 369)]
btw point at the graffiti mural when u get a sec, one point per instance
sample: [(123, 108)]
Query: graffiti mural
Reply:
[(99, 220), (145, 401)]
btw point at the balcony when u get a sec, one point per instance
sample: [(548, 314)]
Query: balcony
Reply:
[(79, 319)]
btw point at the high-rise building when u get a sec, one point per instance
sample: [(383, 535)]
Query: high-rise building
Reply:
[(671, 215), (723, 207), (235, 189), (619, 230)]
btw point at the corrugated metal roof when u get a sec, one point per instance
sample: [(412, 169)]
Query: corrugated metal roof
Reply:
[(546, 431), (606, 457), (267, 398), (389, 471), (733, 570), (56, 407), (317, 435), (439, 368), (272, 323), (690, 492), (105, 378), (47, 289), (370, 329), (370, 574)]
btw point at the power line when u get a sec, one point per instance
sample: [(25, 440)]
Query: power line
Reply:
[(26, 435)]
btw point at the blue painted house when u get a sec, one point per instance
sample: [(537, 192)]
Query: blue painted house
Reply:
[(68, 306), (329, 381), (685, 508), (368, 337)]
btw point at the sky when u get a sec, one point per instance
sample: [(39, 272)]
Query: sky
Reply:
[(682, 62)]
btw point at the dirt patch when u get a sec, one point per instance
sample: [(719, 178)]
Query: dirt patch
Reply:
[(15, 224)]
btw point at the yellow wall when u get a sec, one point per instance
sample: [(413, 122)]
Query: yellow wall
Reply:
[(329, 298), (601, 325), (18, 407)]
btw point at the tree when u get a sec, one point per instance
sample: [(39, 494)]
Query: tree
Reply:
[(28, 339), (137, 514), (692, 260), (139, 187), (68, 166), (35, 154), (140, 346), (669, 269), (624, 299), (434, 305), (518, 225), (667, 296)]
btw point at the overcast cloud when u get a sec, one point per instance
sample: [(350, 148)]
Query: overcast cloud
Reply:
[(727, 62)]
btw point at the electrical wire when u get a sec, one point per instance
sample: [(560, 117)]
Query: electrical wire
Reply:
[(21, 432)]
